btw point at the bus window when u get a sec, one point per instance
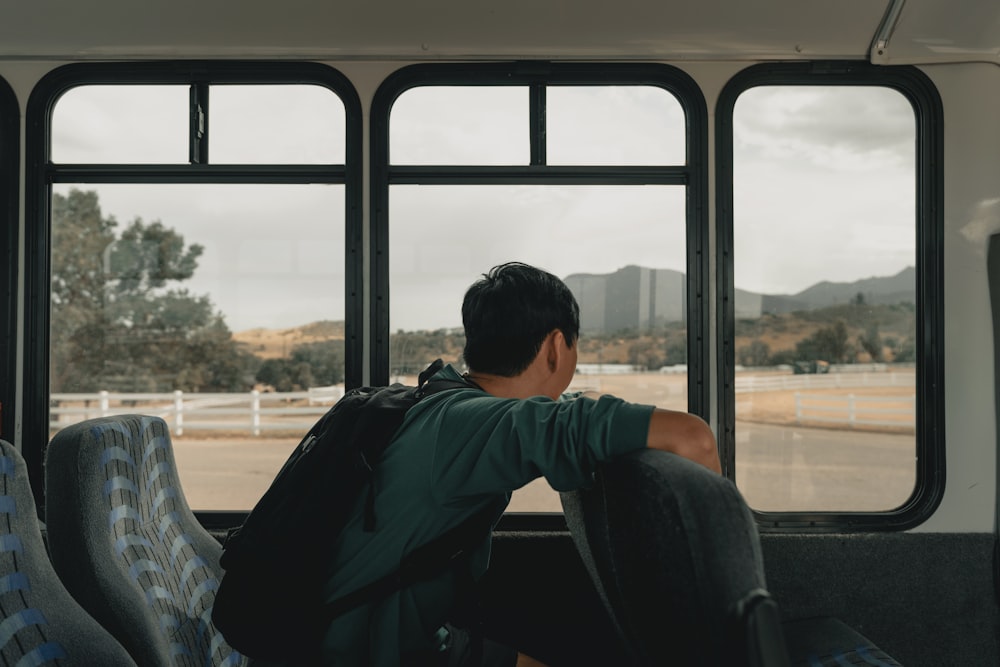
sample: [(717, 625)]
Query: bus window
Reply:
[(622, 125), (100, 124), (825, 313), (207, 293), (286, 124), (619, 235), (447, 125)]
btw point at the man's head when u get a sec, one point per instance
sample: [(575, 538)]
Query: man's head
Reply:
[(509, 312)]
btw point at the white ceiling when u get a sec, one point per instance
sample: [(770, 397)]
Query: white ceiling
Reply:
[(377, 29), (926, 31)]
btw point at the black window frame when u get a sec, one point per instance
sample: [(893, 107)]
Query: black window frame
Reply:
[(918, 89), (693, 174), (10, 158), (42, 173)]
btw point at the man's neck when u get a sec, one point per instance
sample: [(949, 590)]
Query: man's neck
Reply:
[(518, 386)]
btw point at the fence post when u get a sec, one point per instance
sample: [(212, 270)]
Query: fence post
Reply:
[(851, 414), (798, 407), (179, 412), (255, 412), (104, 403)]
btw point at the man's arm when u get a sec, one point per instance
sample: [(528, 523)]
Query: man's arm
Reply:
[(680, 433), (684, 434)]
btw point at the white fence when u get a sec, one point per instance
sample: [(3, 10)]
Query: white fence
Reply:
[(252, 411), (899, 411), (755, 383), (298, 411)]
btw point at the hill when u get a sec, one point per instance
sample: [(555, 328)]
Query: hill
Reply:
[(649, 331), (877, 290), (278, 343), (640, 298)]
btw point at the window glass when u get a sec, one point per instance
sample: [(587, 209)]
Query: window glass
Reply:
[(181, 301), (121, 124), (453, 125), (621, 247), (562, 229), (276, 124), (218, 306), (614, 125), (824, 227)]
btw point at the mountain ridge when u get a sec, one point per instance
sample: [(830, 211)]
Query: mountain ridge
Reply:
[(669, 301), (639, 297)]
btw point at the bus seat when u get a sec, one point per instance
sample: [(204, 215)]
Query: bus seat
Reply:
[(39, 620), (673, 551), (127, 545)]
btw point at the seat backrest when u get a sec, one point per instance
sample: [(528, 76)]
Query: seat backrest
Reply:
[(674, 553), (39, 620), (127, 545)]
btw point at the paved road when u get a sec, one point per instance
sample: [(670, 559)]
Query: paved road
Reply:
[(778, 468), (792, 468)]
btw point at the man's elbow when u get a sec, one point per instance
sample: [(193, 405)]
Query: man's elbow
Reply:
[(686, 435), (702, 447)]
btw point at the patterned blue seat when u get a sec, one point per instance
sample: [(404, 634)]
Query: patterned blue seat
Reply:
[(128, 546), (40, 623)]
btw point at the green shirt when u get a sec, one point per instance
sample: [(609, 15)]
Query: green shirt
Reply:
[(457, 452)]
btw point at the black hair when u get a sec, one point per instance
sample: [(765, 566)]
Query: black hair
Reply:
[(508, 313)]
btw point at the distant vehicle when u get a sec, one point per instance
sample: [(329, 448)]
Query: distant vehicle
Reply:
[(811, 367)]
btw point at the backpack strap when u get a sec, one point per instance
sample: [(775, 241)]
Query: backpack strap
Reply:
[(425, 387), (450, 549)]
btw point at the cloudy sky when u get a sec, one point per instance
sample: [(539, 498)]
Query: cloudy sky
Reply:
[(824, 190)]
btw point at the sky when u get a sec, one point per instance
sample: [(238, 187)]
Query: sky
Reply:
[(823, 190)]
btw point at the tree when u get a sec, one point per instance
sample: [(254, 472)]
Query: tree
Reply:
[(119, 321), (645, 353), (757, 353), (675, 350), (902, 351), (411, 351), (828, 343), (871, 342), (309, 365)]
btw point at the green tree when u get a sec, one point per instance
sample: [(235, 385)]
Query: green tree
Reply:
[(308, 365), (645, 352), (902, 351), (411, 351), (871, 342), (828, 343), (319, 364), (119, 320), (757, 353), (675, 350)]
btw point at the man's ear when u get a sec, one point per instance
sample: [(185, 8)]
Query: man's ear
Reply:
[(557, 347)]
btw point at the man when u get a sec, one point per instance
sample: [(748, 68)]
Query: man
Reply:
[(462, 450)]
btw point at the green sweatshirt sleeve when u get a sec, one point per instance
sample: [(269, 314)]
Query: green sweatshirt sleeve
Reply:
[(489, 445)]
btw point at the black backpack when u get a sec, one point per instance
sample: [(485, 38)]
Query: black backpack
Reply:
[(269, 604)]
